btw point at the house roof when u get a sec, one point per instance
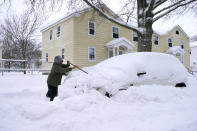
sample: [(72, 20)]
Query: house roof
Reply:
[(74, 14), (120, 42), (165, 31), (61, 19)]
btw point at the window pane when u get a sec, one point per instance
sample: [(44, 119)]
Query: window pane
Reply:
[(63, 53), (91, 28), (47, 57), (156, 40), (182, 44), (170, 44), (91, 54), (91, 25), (91, 31), (115, 32), (58, 31), (115, 35), (135, 36), (51, 34)]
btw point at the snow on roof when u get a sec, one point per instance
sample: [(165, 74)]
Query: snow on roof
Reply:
[(193, 44), (174, 50), (165, 31), (120, 41), (61, 19), (74, 14)]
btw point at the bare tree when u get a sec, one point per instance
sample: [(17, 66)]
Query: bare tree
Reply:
[(17, 35), (146, 12)]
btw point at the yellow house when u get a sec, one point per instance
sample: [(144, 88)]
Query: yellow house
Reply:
[(1, 51), (86, 38)]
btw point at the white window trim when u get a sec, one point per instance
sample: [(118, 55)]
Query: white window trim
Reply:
[(133, 36), (94, 28), (154, 39), (171, 42), (118, 32), (57, 32), (94, 53), (50, 35), (64, 53)]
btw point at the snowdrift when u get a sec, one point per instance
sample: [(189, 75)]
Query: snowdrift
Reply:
[(121, 71)]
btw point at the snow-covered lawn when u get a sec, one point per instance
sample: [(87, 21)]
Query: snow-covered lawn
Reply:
[(23, 107)]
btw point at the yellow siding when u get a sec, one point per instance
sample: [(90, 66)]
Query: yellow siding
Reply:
[(54, 46), (103, 35)]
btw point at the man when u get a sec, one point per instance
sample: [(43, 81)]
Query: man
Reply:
[(55, 76)]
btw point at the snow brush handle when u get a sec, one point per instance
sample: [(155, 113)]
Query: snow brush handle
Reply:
[(79, 68)]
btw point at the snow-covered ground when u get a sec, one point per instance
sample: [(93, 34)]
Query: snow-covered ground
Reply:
[(143, 107), (23, 107)]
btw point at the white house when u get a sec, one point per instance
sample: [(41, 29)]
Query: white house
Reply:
[(193, 56)]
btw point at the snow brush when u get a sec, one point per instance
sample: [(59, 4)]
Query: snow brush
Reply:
[(79, 68)]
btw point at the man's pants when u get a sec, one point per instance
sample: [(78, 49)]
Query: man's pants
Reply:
[(52, 92)]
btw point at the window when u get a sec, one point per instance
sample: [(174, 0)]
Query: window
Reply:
[(91, 28), (115, 32), (91, 53), (58, 31), (156, 39), (182, 44), (51, 34), (63, 53), (110, 52), (169, 42), (135, 37), (47, 57), (177, 32)]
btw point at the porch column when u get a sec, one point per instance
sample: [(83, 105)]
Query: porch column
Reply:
[(118, 50), (182, 58), (114, 51)]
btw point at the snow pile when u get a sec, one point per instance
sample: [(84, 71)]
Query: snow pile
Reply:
[(121, 71)]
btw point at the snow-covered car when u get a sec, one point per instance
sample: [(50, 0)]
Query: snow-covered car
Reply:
[(132, 69)]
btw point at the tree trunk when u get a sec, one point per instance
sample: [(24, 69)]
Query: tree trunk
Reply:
[(145, 40), (145, 21)]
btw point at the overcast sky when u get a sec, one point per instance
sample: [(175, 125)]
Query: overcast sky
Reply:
[(188, 21)]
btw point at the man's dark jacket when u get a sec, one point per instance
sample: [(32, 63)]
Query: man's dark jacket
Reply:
[(55, 76)]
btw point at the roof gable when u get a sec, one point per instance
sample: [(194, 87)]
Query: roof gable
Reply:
[(166, 32), (76, 14)]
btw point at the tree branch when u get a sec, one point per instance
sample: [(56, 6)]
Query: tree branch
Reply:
[(158, 3), (172, 9), (150, 7), (168, 7), (112, 19)]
